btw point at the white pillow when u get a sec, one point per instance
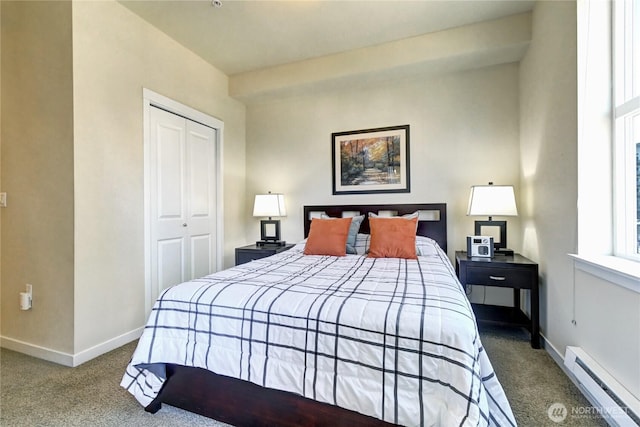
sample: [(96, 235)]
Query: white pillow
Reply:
[(426, 246), (362, 243), (416, 214)]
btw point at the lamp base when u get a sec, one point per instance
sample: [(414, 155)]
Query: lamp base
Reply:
[(503, 252), (271, 243)]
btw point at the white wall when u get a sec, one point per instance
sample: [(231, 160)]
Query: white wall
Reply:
[(116, 55), (607, 319), (464, 131)]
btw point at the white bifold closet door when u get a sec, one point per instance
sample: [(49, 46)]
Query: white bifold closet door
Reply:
[(182, 200)]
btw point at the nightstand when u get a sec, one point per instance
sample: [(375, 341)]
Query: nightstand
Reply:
[(515, 272), (249, 253)]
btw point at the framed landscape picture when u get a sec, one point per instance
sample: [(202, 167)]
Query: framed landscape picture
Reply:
[(371, 161)]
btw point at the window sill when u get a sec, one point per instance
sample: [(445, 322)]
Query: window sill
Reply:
[(619, 271)]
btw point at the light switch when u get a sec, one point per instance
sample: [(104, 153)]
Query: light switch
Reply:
[(3, 200)]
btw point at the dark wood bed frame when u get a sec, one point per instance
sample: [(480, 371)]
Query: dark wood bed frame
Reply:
[(242, 403)]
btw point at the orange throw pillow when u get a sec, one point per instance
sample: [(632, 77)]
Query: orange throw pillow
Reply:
[(328, 237), (393, 238)]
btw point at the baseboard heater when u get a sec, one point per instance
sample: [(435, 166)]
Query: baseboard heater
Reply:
[(609, 398)]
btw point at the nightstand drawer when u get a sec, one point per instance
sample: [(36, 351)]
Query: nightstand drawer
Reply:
[(492, 276), (253, 252), (248, 256)]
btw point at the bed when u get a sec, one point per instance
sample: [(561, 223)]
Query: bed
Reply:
[(297, 339)]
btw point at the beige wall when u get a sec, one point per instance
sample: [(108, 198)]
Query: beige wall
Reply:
[(464, 131), (1, 166), (116, 54), (37, 172), (607, 317), (548, 114), (72, 164)]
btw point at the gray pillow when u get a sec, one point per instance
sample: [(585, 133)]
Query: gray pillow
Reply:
[(353, 233)]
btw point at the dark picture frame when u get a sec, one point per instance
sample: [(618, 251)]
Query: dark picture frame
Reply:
[(270, 230), (488, 228), (371, 161)]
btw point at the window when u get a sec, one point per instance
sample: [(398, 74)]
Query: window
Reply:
[(626, 71)]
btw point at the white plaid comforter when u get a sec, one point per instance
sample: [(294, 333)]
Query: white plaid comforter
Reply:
[(390, 338)]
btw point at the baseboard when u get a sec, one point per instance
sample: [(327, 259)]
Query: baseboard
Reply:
[(105, 347), (554, 353), (67, 359), (559, 359), (37, 351)]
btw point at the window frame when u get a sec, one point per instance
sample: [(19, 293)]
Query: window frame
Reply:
[(626, 127)]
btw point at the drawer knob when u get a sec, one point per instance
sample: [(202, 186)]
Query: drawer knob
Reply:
[(498, 278)]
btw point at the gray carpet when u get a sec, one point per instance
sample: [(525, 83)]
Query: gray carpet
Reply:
[(532, 380), (39, 393)]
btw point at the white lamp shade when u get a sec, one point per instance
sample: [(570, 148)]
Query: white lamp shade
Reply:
[(490, 200), (269, 205)]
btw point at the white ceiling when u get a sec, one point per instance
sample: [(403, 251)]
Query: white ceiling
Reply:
[(243, 36)]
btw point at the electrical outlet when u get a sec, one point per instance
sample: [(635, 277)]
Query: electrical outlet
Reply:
[(3, 200), (26, 298)]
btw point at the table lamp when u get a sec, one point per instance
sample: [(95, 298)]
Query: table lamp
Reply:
[(269, 205), (493, 200)]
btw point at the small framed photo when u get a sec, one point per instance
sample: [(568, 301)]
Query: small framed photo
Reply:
[(371, 161)]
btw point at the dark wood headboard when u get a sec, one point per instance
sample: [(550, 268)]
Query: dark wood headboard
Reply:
[(432, 222)]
